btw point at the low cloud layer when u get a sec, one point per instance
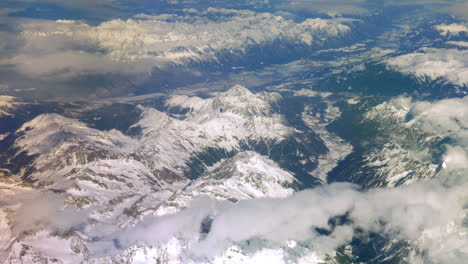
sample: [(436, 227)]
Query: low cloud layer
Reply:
[(73, 4), (432, 63), (457, 8), (447, 117), (37, 210), (405, 213), (333, 7)]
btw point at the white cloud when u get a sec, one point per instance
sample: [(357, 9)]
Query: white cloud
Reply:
[(405, 212), (331, 7), (444, 116), (433, 63), (68, 64), (447, 118), (453, 29), (421, 138), (74, 4), (459, 9), (35, 210), (455, 158), (463, 44)]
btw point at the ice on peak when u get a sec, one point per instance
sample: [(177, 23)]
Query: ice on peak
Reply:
[(242, 101), (237, 99), (194, 103), (224, 122), (8, 103), (152, 120), (327, 26), (48, 131), (49, 121), (246, 175), (241, 92), (249, 163), (238, 90)]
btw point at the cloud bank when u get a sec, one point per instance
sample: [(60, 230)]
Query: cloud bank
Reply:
[(457, 8), (407, 213), (433, 63), (451, 30), (37, 210), (330, 7)]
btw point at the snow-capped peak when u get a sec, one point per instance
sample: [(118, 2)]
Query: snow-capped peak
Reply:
[(246, 175), (238, 91), (50, 121), (48, 131), (8, 103), (248, 165), (120, 179), (237, 99), (225, 122)]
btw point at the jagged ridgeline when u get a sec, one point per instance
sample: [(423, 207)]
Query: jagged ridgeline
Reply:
[(164, 153), (233, 146), (192, 136)]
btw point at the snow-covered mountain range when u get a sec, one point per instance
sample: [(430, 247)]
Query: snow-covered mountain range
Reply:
[(143, 42), (229, 147), (130, 137), (98, 195)]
